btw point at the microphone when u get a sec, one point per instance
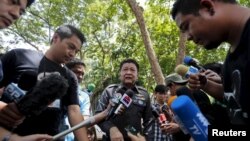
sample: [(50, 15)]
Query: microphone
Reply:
[(13, 92), (185, 72), (188, 60), (165, 110), (86, 123), (171, 99), (50, 88), (115, 99), (124, 101), (191, 118)]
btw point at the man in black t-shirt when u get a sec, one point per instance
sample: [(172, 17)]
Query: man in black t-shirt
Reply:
[(65, 44), (209, 23)]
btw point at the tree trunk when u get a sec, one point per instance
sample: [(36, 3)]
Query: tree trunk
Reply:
[(156, 69), (181, 49)]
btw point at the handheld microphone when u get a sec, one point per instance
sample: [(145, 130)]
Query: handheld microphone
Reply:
[(165, 110), (50, 88), (191, 118), (115, 99), (171, 99), (14, 92), (188, 60), (185, 72), (125, 101), (162, 119)]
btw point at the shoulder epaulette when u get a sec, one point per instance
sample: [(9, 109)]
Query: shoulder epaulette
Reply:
[(141, 88), (113, 85)]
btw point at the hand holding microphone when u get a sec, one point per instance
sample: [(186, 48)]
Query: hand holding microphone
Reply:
[(108, 113), (10, 116), (46, 91), (196, 80), (115, 103)]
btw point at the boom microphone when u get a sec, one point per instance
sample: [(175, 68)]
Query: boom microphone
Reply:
[(188, 60), (50, 88), (115, 99), (86, 123), (185, 72), (125, 101), (191, 118)]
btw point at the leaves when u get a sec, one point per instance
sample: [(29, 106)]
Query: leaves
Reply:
[(112, 35)]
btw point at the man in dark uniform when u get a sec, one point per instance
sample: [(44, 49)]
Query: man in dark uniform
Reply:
[(133, 115)]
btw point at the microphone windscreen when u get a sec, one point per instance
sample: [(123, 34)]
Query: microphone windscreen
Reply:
[(27, 80), (181, 70), (187, 60), (171, 99), (130, 93), (50, 88), (191, 118)]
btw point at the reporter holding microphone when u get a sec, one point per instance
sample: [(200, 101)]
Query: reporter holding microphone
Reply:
[(206, 80)]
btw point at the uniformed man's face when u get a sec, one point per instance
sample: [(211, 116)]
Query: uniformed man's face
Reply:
[(128, 73), (10, 11)]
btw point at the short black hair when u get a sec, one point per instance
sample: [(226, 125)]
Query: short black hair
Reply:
[(190, 6), (29, 2), (129, 61), (67, 31), (71, 64), (161, 88)]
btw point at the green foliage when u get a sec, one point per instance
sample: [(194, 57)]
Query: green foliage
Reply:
[(112, 35)]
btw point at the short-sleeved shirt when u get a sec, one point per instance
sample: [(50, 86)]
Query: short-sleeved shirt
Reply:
[(16, 61), (50, 120), (236, 72)]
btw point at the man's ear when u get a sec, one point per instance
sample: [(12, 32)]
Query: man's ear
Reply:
[(55, 38), (209, 5)]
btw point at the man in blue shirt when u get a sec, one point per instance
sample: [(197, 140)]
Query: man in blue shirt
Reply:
[(78, 67)]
